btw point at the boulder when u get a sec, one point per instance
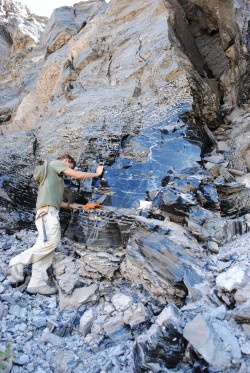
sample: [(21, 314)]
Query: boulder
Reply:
[(79, 297), (206, 341), (159, 348), (233, 279), (159, 262)]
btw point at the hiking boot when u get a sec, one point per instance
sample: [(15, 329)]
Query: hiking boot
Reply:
[(16, 273), (43, 290)]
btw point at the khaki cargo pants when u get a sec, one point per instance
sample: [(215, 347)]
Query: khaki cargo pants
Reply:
[(40, 255)]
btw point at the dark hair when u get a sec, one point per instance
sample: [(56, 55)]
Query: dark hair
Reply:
[(68, 157)]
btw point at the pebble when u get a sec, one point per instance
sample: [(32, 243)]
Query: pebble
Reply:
[(246, 348), (55, 340), (219, 312), (72, 363), (6, 246), (22, 359), (39, 322), (22, 327), (30, 367), (27, 348), (48, 355)]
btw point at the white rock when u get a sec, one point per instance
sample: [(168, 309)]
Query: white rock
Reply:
[(246, 348), (169, 315), (232, 279), (230, 342), (22, 359), (245, 179), (114, 324), (217, 158), (219, 312), (78, 297), (223, 146), (242, 295), (121, 301), (86, 322), (96, 328), (246, 328), (22, 327), (204, 339), (109, 308), (213, 247), (54, 339), (144, 205), (135, 315), (93, 339)]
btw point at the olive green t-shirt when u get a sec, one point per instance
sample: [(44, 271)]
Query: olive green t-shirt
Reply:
[(51, 192)]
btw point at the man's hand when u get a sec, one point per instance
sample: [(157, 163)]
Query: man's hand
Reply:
[(74, 206), (99, 170), (77, 206)]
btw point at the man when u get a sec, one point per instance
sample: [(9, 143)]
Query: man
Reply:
[(49, 201)]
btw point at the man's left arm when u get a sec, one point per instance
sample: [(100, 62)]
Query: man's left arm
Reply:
[(83, 175)]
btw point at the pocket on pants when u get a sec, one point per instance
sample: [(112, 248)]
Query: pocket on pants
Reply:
[(54, 213), (53, 228)]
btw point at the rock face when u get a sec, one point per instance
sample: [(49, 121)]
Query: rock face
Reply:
[(218, 28), (158, 91), (158, 256)]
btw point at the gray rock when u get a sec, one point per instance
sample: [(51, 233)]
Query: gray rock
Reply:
[(213, 247), (54, 339), (61, 358), (79, 297), (39, 322), (205, 340), (86, 322), (2, 310), (135, 315), (22, 359), (113, 324), (246, 348), (93, 340), (67, 21), (158, 347), (223, 146), (246, 328), (217, 158), (219, 312), (157, 253), (242, 295), (121, 302), (242, 314), (230, 342), (171, 315)]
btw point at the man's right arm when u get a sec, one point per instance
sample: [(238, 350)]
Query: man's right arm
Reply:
[(83, 175)]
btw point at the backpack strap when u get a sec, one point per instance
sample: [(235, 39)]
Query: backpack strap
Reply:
[(45, 164)]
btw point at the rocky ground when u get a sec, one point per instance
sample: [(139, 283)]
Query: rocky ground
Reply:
[(150, 293), (100, 336)]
